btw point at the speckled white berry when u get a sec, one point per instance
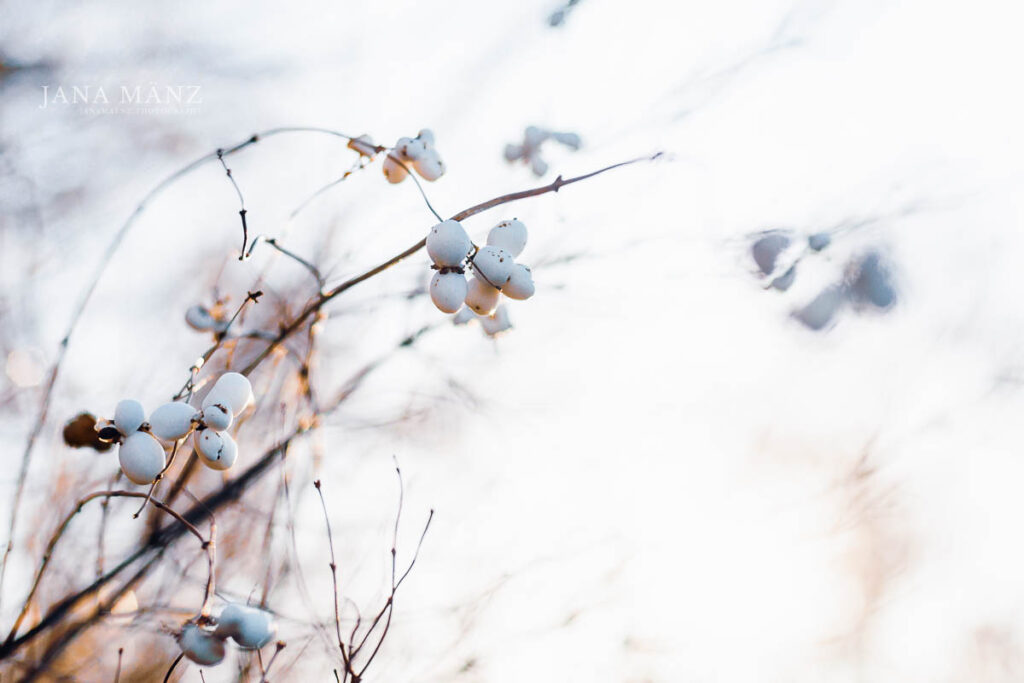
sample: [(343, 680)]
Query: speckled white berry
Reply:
[(481, 297), (520, 284), (429, 166), (410, 149), (217, 417), (509, 235), (448, 244), (448, 291), (493, 265), (393, 170), (217, 450)]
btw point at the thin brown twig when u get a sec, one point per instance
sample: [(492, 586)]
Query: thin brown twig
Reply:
[(334, 578), (241, 200), (277, 650), (170, 670)]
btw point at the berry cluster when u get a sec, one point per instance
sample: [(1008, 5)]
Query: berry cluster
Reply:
[(529, 151), (142, 443), (250, 627), (866, 282), (495, 271), (418, 152)]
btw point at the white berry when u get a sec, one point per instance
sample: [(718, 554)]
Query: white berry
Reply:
[(481, 297), (448, 244), (172, 421), (427, 137), (393, 170), (410, 149), (199, 318), (494, 265), (464, 316), (570, 140), (448, 291), (202, 647), (520, 284), (429, 166), (250, 627), (508, 235), (513, 152), (217, 450), (141, 457), (497, 322), (538, 166), (534, 136), (129, 416), (233, 390), (217, 417)]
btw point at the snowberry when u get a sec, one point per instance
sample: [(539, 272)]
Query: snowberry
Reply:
[(216, 416), (494, 265), (481, 297), (873, 282), (250, 627), (538, 166), (819, 312), (785, 281), (429, 166), (508, 235), (464, 316), (217, 450), (410, 149), (141, 457), (129, 416), (393, 170), (520, 283), (497, 322), (534, 136), (364, 145), (570, 140), (201, 646), (232, 390), (767, 249), (418, 152), (200, 319), (448, 244), (427, 137), (171, 421), (529, 152), (448, 291)]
